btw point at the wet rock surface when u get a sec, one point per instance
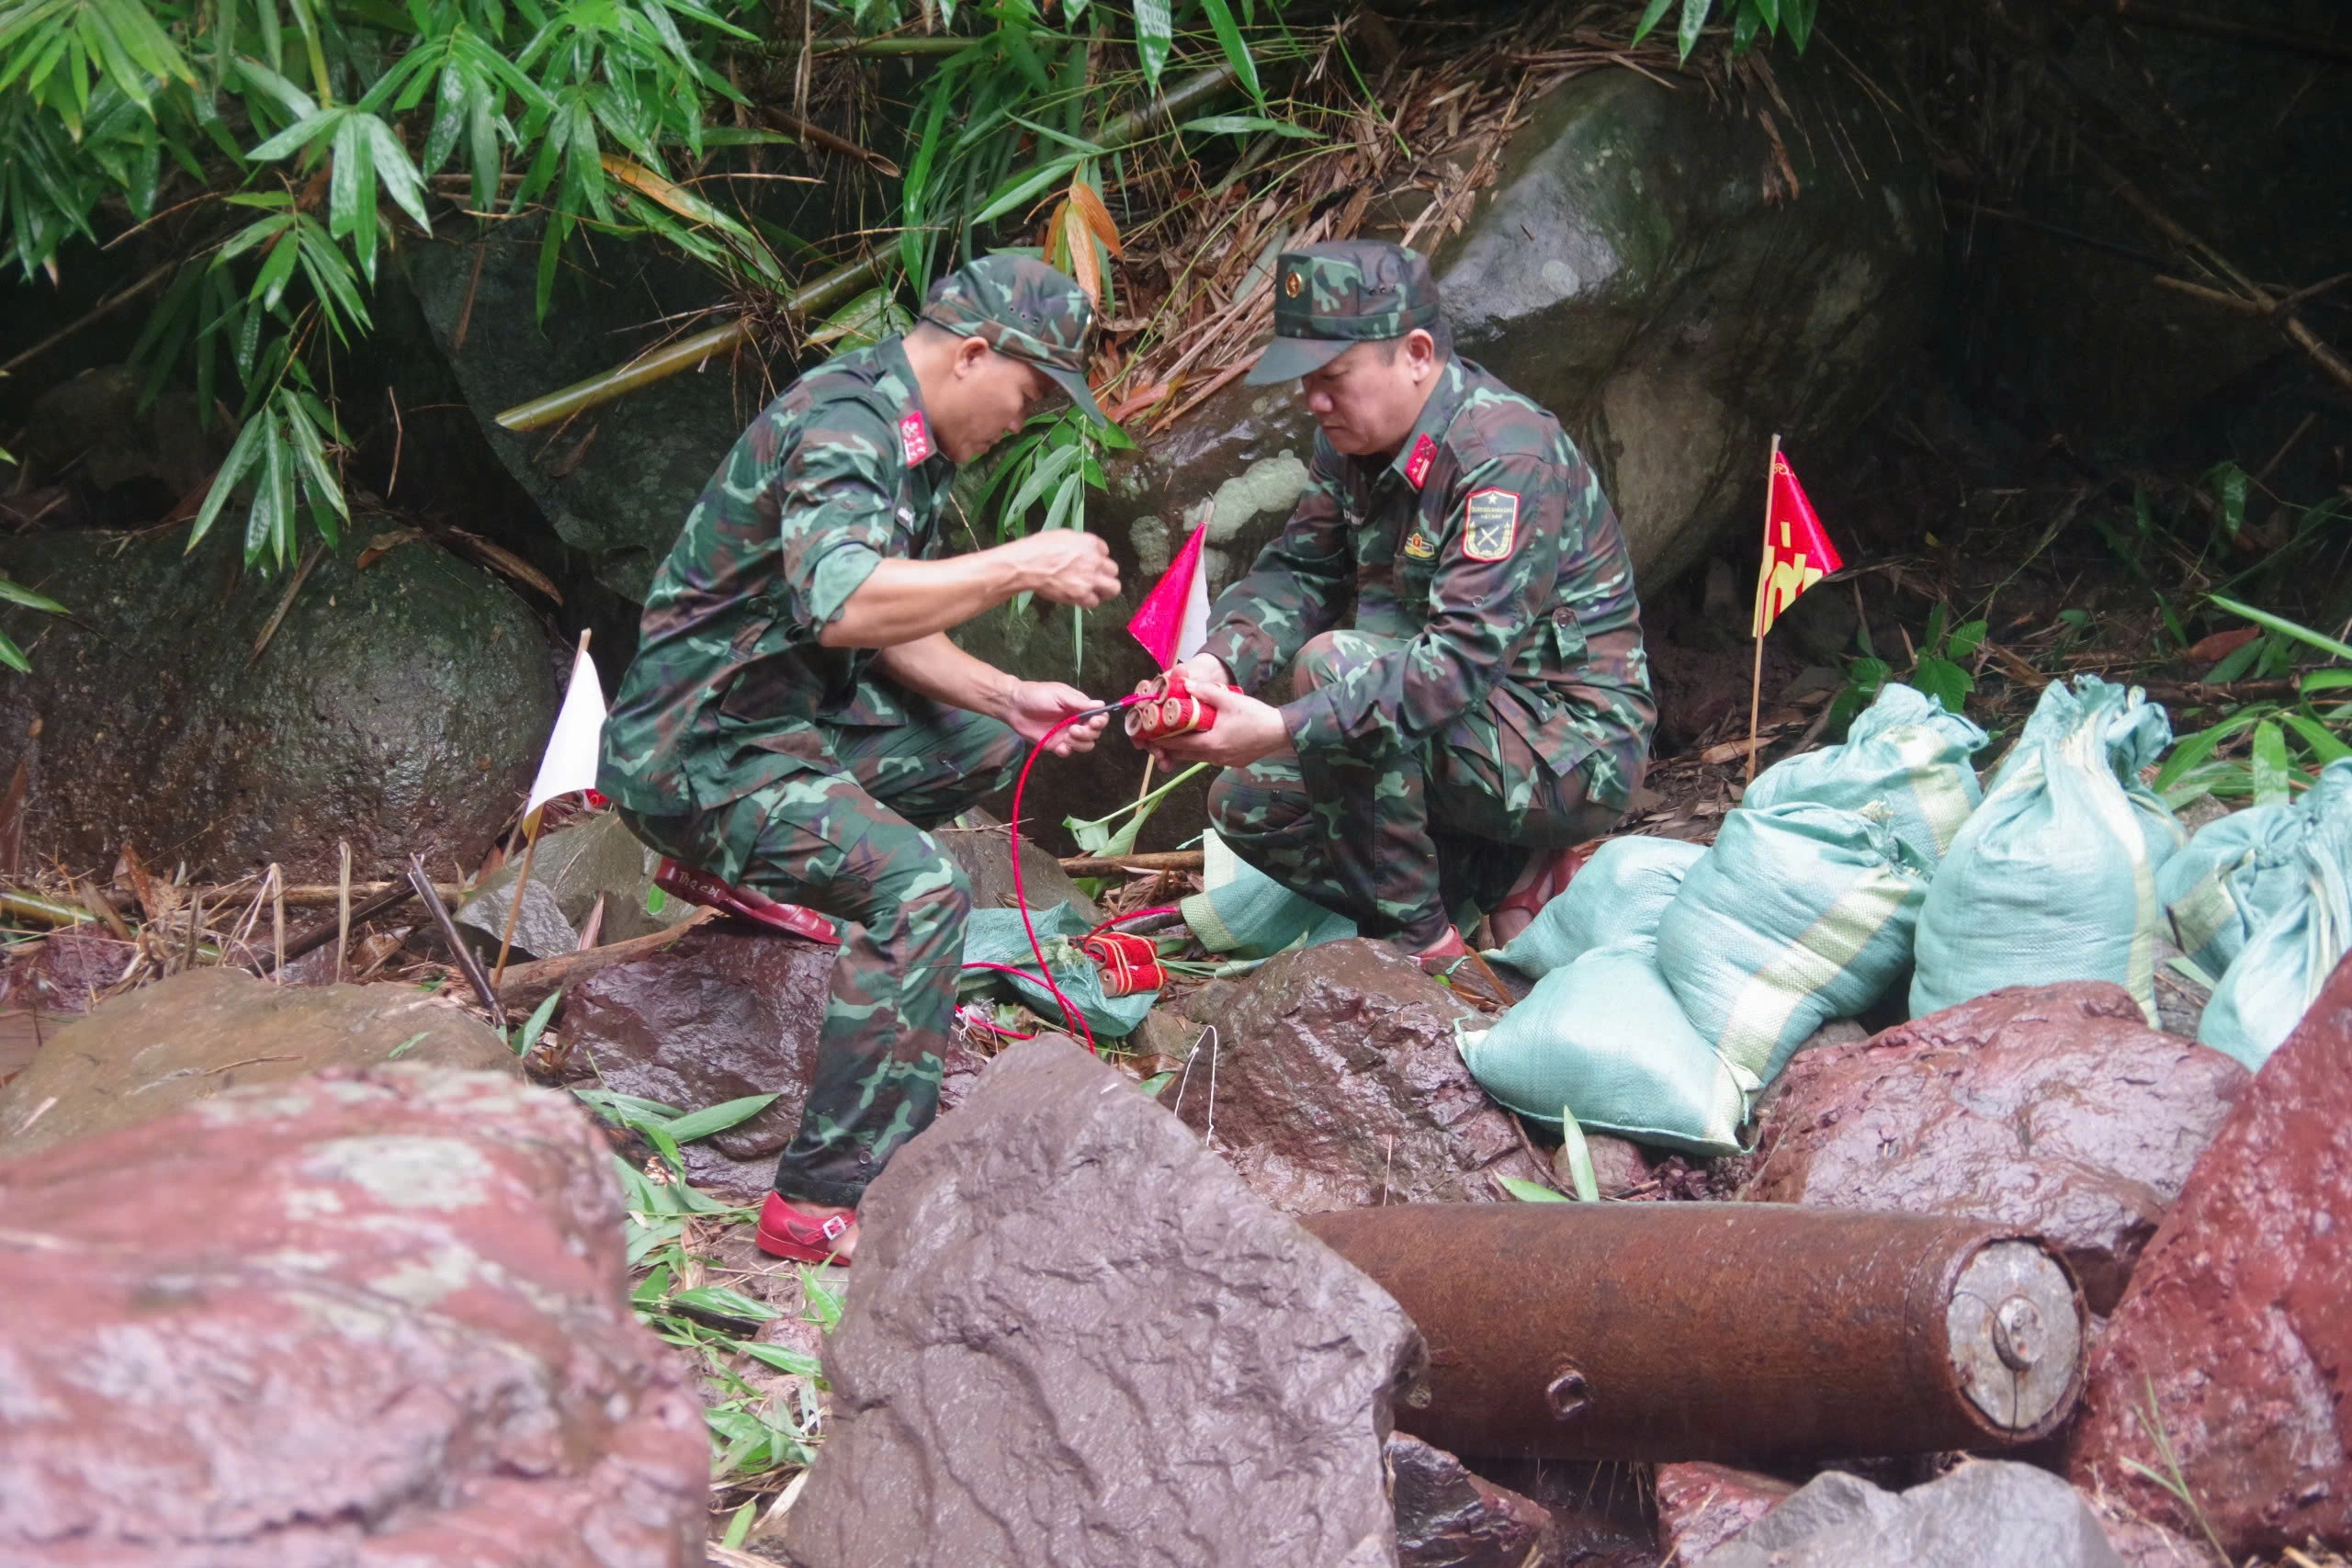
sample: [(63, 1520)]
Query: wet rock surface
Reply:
[(1450, 1516), (1338, 1086), (401, 707), (595, 858), (1600, 1514), (2234, 1342), (2054, 1109), (377, 1318), (207, 1031), (1700, 1506), (1075, 1338), (1985, 1512)]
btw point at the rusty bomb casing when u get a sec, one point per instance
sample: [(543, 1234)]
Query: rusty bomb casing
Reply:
[(1721, 1331)]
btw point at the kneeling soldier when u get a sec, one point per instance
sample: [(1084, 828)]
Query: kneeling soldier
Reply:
[(1490, 709), (796, 717)]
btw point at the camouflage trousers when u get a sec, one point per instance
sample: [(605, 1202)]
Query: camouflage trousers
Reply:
[(851, 842), (1399, 841)]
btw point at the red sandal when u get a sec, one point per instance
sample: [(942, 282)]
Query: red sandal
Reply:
[(788, 1230), (1547, 876)]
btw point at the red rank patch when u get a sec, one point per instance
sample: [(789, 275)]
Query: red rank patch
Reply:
[(914, 435), (1417, 467)]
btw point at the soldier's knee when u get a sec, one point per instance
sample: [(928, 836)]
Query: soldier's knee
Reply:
[(1319, 663), (928, 892), (1232, 804)]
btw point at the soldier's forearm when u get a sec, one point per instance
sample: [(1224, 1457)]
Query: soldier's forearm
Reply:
[(905, 601), (935, 668)]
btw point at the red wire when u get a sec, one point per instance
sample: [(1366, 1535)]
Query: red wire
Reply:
[(1019, 897)]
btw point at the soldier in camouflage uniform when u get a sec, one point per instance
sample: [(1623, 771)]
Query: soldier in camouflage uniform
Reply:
[(1491, 705), (796, 717)]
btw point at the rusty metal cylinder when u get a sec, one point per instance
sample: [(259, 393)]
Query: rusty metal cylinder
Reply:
[(1721, 1331)]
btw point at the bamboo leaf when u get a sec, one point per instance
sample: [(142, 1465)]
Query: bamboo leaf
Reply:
[(717, 1118), (1651, 14), (241, 452), (2323, 742), (1154, 31), (398, 174), (2271, 766), (1025, 189), (1247, 125), (1089, 204), (1237, 50), (1531, 1193), (2302, 633), (16, 592)]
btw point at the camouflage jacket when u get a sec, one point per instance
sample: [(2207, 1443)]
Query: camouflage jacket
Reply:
[(834, 475), (1487, 543)]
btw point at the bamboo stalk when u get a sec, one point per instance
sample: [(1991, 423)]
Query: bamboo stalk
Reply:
[(1158, 859), (515, 897), (462, 955)]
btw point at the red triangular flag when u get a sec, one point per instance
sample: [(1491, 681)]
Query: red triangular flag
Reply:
[(1174, 619), (1797, 554)]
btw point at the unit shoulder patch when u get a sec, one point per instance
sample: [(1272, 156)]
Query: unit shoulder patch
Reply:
[(1489, 525), (914, 435)]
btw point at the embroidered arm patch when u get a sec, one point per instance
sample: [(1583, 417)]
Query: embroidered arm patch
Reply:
[(1490, 525)]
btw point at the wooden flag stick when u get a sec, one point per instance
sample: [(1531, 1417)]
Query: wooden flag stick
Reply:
[(1150, 761), (1763, 571), (515, 896)]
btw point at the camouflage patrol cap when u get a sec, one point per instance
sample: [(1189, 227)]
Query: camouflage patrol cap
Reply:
[(1025, 310), (1332, 297)]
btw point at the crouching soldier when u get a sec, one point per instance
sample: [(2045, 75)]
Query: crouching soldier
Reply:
[(1489, 708), (795, 717)]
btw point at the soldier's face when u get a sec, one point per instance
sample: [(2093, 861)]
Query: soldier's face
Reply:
[(989, 395), (1367, 398)]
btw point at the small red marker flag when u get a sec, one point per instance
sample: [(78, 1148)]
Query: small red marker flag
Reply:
[(1174, 619), (1797, 554)]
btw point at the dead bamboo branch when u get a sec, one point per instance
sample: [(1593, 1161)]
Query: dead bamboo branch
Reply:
[(526, 984), (1158, 859)]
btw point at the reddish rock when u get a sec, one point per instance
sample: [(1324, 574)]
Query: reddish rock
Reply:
[(2240, 1317), (2054, 1109), (363, 1319), (1338, 1086), (1074, 1338), (1601, 1513), (206, 1031), (1448, 1516), (1700, 1506)]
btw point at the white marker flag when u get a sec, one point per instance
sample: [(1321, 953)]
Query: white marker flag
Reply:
[(570, 762)]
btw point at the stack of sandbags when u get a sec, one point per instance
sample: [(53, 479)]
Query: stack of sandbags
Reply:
[(2054, 876), (1905, 752), (1601, 1034)]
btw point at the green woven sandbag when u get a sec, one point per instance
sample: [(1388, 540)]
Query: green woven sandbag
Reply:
[(995, 936), (2054, 878), (1616, 898), (1247, 914), (1903, 751), (1800, 914), (2241, 869), (1604, 1038), (2268, 989)]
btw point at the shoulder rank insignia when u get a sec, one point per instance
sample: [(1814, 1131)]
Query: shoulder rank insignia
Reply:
[(1489, 525), (1417, 467), (914, 435)]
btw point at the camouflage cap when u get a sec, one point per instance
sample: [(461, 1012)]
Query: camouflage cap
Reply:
[(1025, 310), (1329, 298)]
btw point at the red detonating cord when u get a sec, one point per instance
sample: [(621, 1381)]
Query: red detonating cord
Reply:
[(1019, 896)]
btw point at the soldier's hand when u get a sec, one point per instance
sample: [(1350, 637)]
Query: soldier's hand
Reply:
[(1204, 670), (1246, 730), (1038, 706), (1063, 565)]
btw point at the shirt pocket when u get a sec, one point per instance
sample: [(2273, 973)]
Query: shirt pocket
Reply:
[(1569, 646)]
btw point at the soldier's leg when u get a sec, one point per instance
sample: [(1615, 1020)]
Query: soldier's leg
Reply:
[(818, 839), (938, 765), (1494, 803), (1349, 832)]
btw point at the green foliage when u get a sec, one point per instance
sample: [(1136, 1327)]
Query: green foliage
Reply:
[(1939, 669), (287, 143), (1100, 837), (2264, 752), (14, 593), (1749, 18)]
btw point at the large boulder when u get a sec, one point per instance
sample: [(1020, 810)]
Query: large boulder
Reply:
[(401, 707), (615, 482), (204, 1032), (1987, 1511), (2228, 1366), (2054, 1109), (377, 1318), (1332, 1082), (1077, 1338)]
